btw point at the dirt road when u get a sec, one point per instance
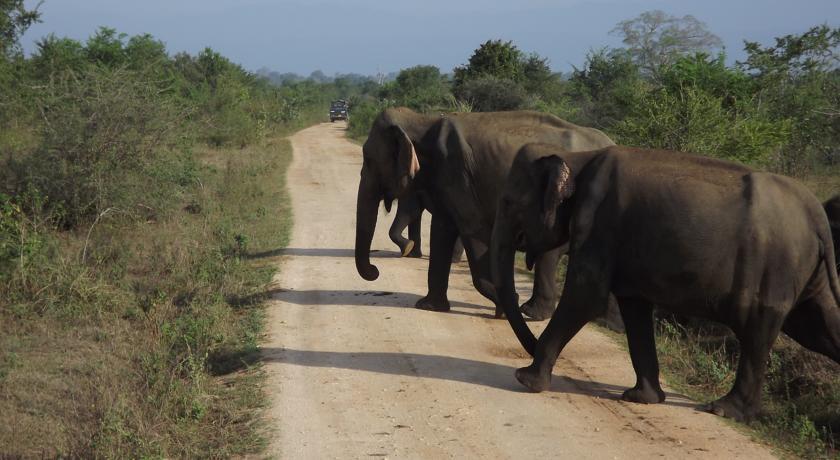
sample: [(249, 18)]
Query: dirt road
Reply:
[(356, 372)]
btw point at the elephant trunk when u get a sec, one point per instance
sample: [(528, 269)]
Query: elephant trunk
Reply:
[(367, 208), (502, 258)]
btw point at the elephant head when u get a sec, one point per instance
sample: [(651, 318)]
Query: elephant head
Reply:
[(389, 168), (533, 214)]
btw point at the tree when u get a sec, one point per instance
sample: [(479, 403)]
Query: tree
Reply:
[(14, 20), (500, 66), (421, 87), (606, 88), (799, 78), (654, 39), (496, 58)]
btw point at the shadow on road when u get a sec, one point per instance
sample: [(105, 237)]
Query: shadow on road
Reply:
[(316, 297), (319, 252), (446, 368)]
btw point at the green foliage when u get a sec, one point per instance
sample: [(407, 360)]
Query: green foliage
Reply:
[(421, 88), (499, 76), (488, 93), (496, 58), (362, 116), (798, 79), (14, 20), (691, 120), (606, 89), (122, 244)]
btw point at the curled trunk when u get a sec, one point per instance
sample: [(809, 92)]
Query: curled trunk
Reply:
[(502, 255)]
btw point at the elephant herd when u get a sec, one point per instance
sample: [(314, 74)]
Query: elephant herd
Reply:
[(642, 228)]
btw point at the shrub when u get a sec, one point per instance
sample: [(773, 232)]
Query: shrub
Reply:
[(489, 93)]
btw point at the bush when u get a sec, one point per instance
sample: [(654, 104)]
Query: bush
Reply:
[(100, 126), (362, 116), (692, 120), (489, 94)]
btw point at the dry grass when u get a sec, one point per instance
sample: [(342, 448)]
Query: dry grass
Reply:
[(146, 348)]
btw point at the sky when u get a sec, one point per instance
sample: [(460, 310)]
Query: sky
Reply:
[(372, 36)]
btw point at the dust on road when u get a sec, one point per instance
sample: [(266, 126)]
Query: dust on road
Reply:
[(354, 371)]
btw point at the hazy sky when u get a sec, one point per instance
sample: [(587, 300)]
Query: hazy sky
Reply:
[(364, 36)]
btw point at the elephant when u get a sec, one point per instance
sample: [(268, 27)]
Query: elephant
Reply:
[(410, 215), (459, 160), (690, 234)]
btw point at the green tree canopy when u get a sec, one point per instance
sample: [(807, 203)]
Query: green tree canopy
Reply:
[(14, 20), (496, 58)]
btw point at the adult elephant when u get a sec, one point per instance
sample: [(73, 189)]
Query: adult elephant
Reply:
[(459, 161), (690, 234), (410, 215)]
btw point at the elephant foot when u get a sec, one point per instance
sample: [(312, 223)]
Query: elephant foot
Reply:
[(408, 248), (733, 407), (427, 303), (533, 379), (644, 394), (537, 309)]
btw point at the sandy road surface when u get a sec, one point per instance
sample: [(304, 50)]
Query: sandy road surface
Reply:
[(356, 372)]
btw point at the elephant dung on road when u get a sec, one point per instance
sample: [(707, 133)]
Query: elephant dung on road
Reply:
[(687, 233), (459, 161)]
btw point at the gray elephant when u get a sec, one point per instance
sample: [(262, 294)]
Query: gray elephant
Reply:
[(410, 215), (460, 161), (687, 233)]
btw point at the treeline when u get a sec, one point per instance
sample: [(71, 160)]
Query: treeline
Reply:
[(667, 88)]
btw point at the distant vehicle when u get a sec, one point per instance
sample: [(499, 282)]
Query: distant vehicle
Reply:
[(338, 110)]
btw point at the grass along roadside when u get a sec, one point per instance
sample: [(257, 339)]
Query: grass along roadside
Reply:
[(134, 336)]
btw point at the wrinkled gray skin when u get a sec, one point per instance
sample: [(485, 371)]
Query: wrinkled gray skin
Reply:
[(410, 215), (463, 158), (686, 233)]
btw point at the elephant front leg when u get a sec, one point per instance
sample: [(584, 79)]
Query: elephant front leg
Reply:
[(637, 316), (443, 236), (414, 231), (401, 221), (584, 298), (544, 298)]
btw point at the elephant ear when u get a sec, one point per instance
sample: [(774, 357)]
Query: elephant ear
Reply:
[(559, 186), (407, 162)]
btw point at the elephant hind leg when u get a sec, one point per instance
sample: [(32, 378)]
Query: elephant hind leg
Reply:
[(756, 337), (815, 324), (637, 316)]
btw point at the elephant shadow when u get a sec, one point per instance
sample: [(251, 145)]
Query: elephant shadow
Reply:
[(363, 298), (493, 375), (318, 252)]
